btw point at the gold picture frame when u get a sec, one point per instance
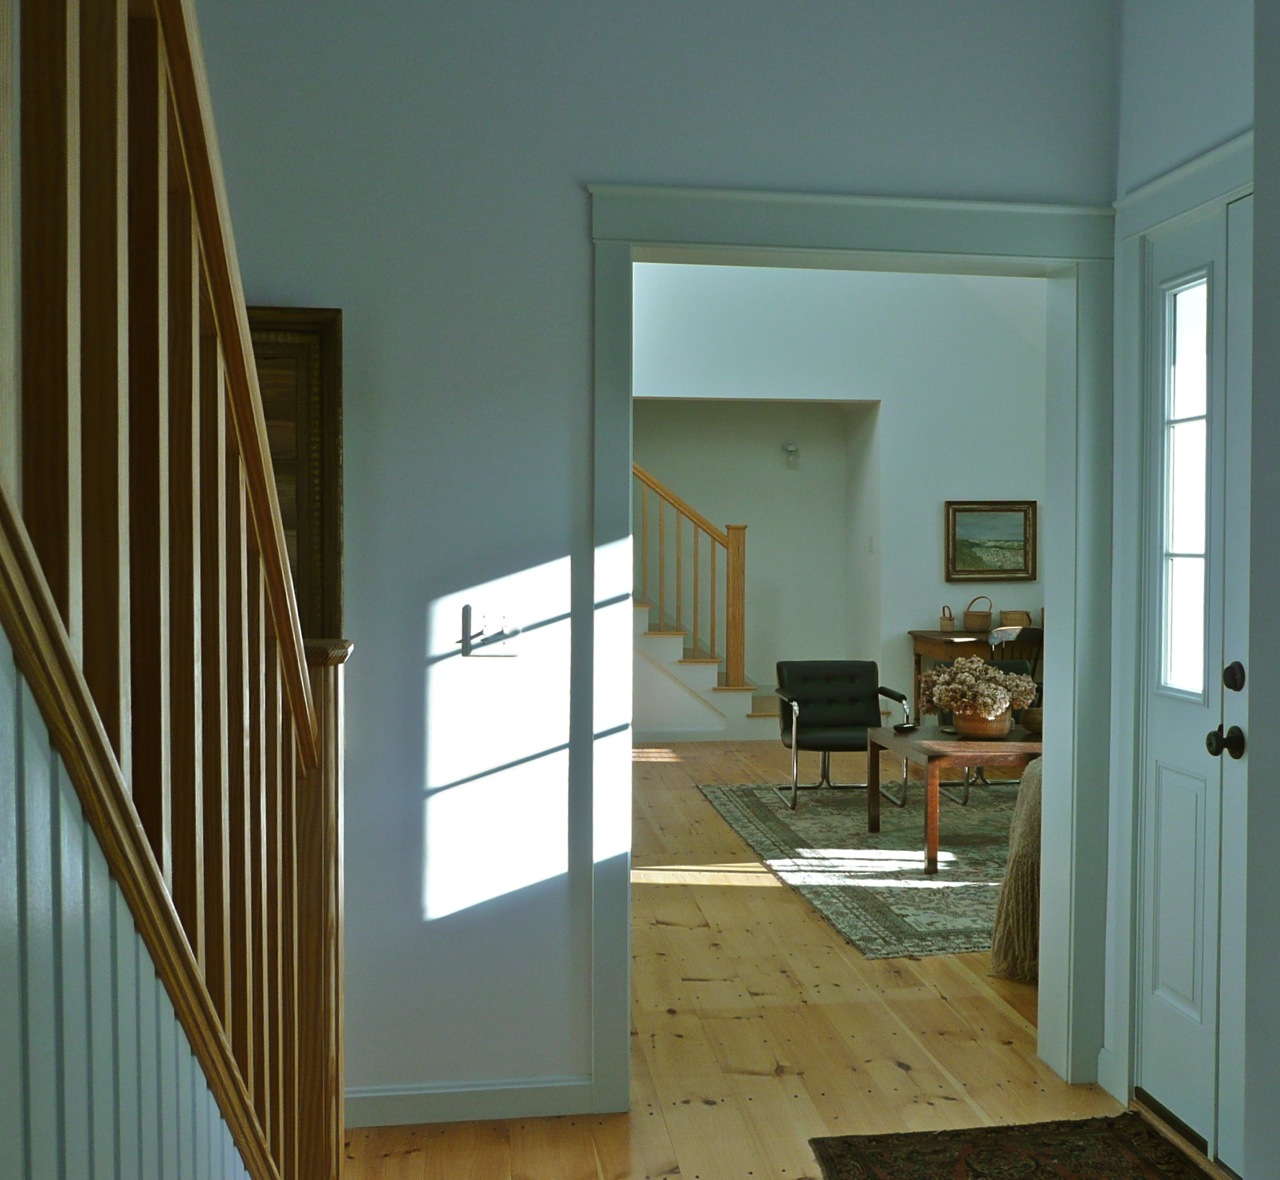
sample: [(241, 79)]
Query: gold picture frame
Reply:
[(298, 353), (991, 540)]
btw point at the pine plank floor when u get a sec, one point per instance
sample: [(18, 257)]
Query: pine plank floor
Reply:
[(755, 1025)]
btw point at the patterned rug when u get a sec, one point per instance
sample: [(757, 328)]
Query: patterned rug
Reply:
[(873, 889), (1125, 1147)]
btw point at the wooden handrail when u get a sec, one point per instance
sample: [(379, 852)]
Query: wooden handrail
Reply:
[(690, 513), (703, 639)]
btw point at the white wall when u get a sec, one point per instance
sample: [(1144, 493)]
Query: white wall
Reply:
[(422, 166), (956, 365), (1186, 83)]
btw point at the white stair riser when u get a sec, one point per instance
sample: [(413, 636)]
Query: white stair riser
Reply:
[(677, 701)]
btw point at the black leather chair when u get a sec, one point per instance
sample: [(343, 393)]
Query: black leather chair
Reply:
[(828, 706)]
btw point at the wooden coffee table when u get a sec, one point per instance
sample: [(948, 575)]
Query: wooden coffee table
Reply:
[(936, 752)]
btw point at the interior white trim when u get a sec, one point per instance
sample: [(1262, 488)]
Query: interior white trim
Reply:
[(835, 224), (1071, 245), (451, 1102), (1219, 174)]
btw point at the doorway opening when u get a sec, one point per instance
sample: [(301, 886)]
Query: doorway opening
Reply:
[(833, 412)]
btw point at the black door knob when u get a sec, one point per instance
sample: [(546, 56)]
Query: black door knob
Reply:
[(1232, 742)]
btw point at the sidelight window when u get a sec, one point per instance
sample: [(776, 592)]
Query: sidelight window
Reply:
[(1184, 491)]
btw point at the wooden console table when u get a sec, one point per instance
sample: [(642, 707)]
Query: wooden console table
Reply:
[(936, 751)]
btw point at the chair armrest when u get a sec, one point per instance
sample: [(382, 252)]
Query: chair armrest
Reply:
[(894, 695), (795, 705)]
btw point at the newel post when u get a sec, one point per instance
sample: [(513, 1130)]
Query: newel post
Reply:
[(735, 623), (320, 1059)]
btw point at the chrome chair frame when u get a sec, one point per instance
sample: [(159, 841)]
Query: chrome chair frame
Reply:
[(824, 779)]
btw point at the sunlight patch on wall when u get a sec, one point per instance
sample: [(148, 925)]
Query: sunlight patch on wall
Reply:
[(502, 832), (611, 717), (496, 807)]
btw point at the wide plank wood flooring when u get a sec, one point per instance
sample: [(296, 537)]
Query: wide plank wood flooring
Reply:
[(755, 1025)]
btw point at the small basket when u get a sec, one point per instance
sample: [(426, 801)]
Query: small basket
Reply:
[(948, 621), (1015, 618), (978, 620)]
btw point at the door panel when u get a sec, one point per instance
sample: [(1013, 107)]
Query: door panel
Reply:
[(1190, 1034), (1178, 857), (1180, 791)]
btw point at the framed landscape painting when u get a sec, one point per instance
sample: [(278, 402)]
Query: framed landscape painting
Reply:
[(991, 540)]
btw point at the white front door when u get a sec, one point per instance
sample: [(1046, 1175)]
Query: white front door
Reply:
[(1191, 827)]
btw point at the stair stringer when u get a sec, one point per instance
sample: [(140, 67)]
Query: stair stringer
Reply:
[(683, 703)]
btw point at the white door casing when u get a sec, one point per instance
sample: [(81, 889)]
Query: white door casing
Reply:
[(1073, 248), (1235, 704)]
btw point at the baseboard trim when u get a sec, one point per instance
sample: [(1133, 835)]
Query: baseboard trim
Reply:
[(396, 1106)]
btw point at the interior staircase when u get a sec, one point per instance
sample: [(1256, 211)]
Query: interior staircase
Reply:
[(680, 695), (689, 672)]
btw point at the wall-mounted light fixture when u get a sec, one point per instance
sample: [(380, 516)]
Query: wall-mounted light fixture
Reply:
[(473, 640), (791, 452)]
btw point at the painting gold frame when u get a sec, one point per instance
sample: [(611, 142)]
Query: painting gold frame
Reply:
[(991, 540), (298, 353)]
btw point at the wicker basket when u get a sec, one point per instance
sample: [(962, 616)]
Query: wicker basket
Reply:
[(978, 620), (983, 729), (948, 621), (1015, 618)]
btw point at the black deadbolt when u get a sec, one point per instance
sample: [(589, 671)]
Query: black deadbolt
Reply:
[(1233, 676)]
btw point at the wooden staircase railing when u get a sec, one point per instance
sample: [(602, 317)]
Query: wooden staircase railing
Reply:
[(144, 582), (708, 608)]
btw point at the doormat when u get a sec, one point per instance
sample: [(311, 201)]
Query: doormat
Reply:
[(1123, 1147)]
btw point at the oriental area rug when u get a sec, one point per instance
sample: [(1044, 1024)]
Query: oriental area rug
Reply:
[(873, 888), (1124, 1147)]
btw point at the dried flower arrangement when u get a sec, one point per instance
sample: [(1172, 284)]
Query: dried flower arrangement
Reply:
[(972, 686)]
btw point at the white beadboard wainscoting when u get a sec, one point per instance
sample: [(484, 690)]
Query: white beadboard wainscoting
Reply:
[(97, 1078)]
